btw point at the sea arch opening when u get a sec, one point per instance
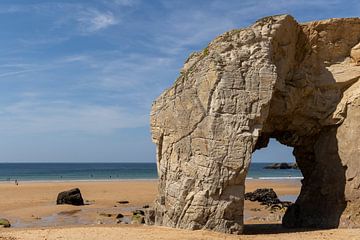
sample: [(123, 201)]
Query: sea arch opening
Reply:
[(272, 184)]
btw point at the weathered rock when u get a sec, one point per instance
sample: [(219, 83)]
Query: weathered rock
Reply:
[(265, 196), (72, 197), (149, 216), (4, 223), (298, 83), (119, 216), (282, 166)]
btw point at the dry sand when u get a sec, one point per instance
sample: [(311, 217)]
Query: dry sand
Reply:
[(31, 209)]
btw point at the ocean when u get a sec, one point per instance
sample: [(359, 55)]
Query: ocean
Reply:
[(112, 171)]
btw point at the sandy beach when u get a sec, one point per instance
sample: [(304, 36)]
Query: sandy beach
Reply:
[(31, 209)]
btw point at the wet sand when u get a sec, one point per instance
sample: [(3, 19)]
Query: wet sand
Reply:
[(32, 210)]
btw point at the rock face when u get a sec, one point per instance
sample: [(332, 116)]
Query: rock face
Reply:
[(72, 197), (298, 83)]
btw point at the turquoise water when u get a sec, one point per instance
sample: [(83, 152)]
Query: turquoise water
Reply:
[(111, 171)]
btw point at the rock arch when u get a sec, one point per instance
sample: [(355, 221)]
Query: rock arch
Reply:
[(279, 79)]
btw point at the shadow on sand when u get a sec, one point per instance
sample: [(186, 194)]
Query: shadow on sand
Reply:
[(254, 229)]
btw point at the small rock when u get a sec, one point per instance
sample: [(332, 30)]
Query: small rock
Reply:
[(123, 202), (119, 215), (4, 223), (146, 206), (106, 214), (137, 219)]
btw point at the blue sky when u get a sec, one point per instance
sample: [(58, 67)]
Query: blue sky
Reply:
[(77, 78)]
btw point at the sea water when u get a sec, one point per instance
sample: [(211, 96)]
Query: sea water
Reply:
[(113, 171)]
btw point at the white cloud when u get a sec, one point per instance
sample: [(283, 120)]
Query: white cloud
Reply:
[(92, 20)]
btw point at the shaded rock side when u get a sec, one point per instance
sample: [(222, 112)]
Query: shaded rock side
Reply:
[(72, 197), (275, 79)]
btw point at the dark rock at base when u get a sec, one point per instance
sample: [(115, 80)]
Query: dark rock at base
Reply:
[(72, 197), (266, 196), (282, 166), (119, 216), (4, 223), (146, 206)]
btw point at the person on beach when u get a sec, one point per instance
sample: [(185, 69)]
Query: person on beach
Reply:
[(16, 182)]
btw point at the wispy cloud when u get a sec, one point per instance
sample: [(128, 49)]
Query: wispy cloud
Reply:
[(92, 20)]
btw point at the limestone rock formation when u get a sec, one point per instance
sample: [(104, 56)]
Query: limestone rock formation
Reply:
[(298, 83)]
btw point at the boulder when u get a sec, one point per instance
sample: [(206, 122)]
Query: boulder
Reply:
[(72, 197), (266, 196)]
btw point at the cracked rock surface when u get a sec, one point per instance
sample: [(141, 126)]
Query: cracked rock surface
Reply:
[(298, 83)]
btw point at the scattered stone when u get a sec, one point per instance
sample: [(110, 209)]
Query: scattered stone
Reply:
[(4, 223), (99, 222), (265, 196), (146, 206), (72, 197), (118, 221)]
